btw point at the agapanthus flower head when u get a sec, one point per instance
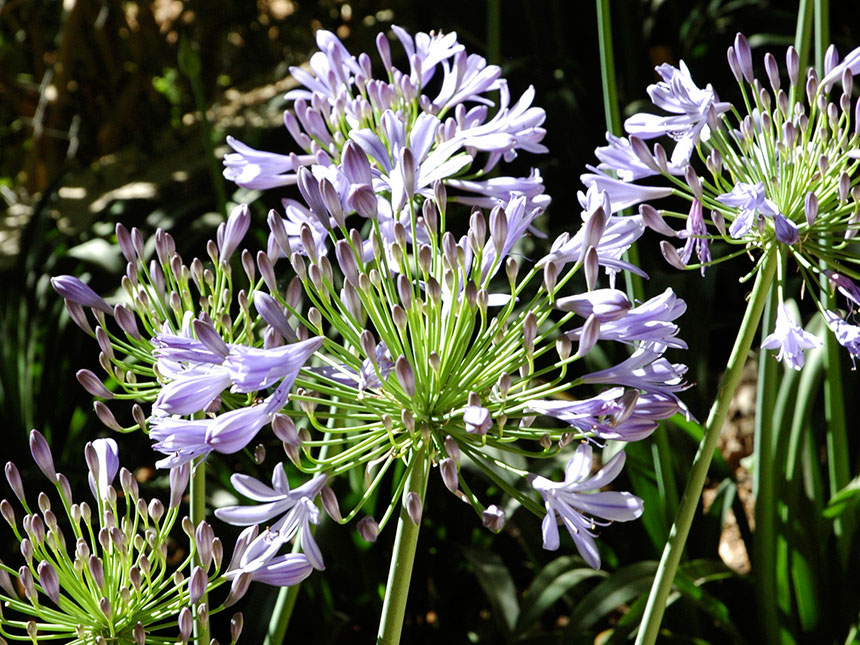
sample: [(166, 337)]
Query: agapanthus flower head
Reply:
[(103, 573), (404, 343), (368, 137), (776, 175)]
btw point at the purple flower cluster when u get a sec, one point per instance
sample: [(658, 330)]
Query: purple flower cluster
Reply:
[(370, 145), (765, 190), (424, 347)]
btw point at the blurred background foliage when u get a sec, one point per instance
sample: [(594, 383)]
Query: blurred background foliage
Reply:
[(117, 111)]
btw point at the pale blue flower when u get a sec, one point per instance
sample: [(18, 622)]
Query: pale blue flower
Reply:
[(846, 334), (573, 503), (295, 507), (102, 457), (790, 339), (749, 199), (649, 324), (678, 94)]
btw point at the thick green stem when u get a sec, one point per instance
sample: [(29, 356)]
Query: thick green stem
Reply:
[(494, 32), (400, 573), (613, 118), (765, 486), (653, 615), (822, 33), (198, 514), (803, 33)]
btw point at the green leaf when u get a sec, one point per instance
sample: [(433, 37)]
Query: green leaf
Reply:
[(554, 580), (843, 500), (496, 581), (618, 590)]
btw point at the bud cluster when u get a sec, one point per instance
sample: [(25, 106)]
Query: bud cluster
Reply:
[(780, 177), (109, 574)]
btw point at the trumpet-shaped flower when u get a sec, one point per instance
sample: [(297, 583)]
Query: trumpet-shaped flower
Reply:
[(790, 339), (574, 504)]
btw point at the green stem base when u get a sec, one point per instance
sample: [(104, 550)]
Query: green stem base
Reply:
[(650, 625), (402, 559)]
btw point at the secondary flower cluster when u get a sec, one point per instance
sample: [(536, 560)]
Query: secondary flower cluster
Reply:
[(394, 349), (113, 580), (781, 178)]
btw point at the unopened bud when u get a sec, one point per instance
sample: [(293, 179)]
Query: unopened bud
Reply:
[(414, 507), (330, 503), (368, 528), (448, 470), (493, 518)]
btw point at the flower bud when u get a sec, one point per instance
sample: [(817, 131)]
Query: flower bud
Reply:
[(179, 477), (106, 416), (331, 200), (477, 229), (97, 571), (591, 267), (197, 585), (42, 455), (407, 419), (346, 260), (15, 483), (237, 621), (742, 50), (589, 335), (772, 69), (50, 581), (414, 507), (367, 528), (693, 181), (400, 318), (792, 64), (156, 509), (844, 187), (493, 518), (671, 255), (594, 228), (404, 291), (203, 537), (72, 289), (186, 624), (330, 503), (6, 585), (448, 470), (92, 384), (653, 220), (733, 64), (25, 578), (27, 550), (77, 314)]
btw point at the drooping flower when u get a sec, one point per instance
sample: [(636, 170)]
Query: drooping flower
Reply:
[(790, 339), (847, 335), (574, 503), (696, 235)]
